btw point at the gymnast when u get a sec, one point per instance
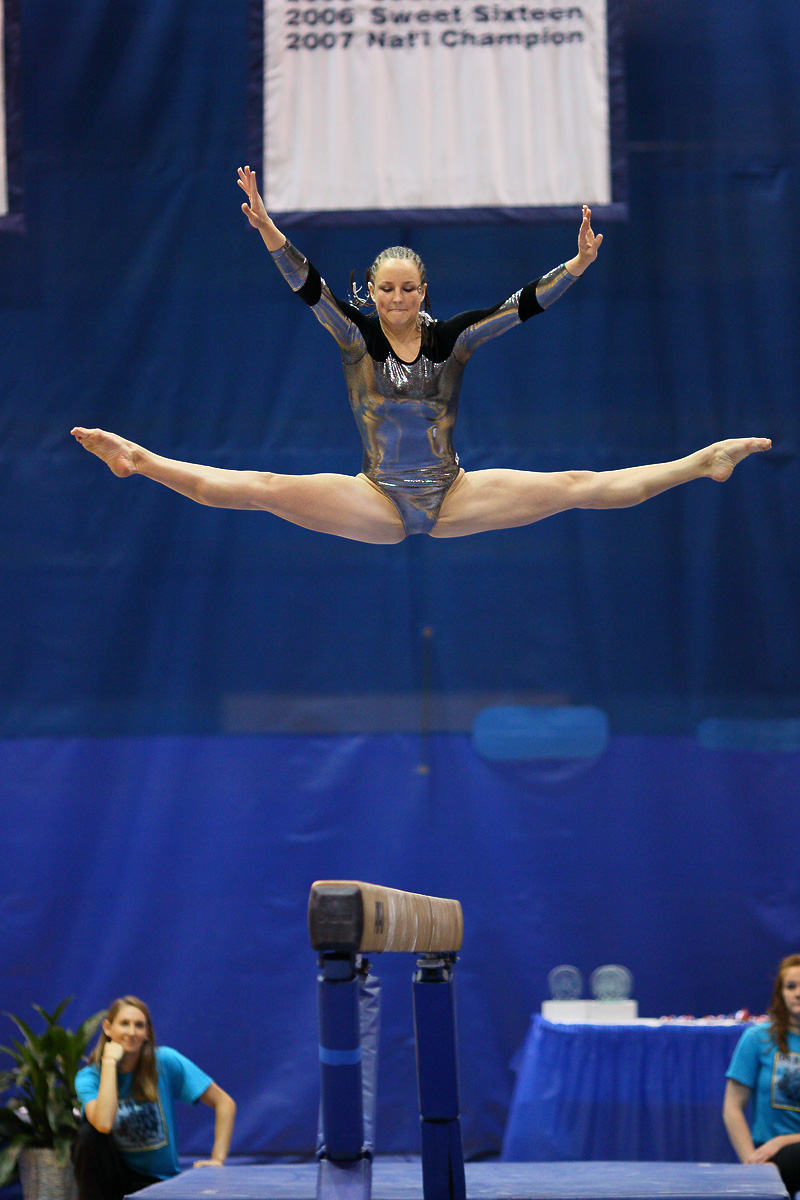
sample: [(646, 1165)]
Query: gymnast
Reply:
[(765, 1068), (403, 372)]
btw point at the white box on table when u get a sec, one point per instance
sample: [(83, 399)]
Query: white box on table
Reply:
[(590, 1012)]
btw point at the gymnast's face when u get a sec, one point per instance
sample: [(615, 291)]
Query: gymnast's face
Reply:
[(790, 987), (398, 292)]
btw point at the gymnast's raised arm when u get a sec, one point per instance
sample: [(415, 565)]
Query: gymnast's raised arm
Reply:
[(256, 213), (302, 277)]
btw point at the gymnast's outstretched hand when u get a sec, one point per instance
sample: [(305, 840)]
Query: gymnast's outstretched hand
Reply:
[(589, 243), (253, 208), (256, 212)]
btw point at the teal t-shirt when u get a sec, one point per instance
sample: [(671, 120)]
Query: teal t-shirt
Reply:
[(144, 1131), (773, 1078)]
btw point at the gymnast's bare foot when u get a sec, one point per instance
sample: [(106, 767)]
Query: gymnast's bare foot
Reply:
[(723, 456), (118, 454)]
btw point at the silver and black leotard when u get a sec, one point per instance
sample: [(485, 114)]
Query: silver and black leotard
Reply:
[(405, 412)]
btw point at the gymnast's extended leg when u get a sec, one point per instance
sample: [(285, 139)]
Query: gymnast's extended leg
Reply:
[(344, 505), (502, 499)]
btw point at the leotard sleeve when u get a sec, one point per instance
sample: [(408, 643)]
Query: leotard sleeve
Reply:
[(469, 330), (306, 282)]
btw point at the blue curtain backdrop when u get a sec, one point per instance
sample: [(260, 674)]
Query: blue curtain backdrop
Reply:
[(203, 711)]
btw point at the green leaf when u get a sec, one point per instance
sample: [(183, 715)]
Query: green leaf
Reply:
[(63, 1148), (90, 1025), (9, 1157), (51, 1018), (11, 1053), (26, 1029), (52, 1118)]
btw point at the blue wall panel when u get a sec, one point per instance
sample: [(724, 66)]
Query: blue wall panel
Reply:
[(179, 869)]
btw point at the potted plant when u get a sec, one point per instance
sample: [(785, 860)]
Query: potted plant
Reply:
[(39, 1111)]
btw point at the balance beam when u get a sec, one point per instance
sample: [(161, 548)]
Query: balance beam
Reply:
[(346, 915)]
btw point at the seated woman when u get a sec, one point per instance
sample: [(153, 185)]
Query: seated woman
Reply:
[(766, 1068), (403, 371), (128, 1094)]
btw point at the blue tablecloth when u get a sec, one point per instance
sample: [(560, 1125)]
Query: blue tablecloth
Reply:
[(637, 1093)]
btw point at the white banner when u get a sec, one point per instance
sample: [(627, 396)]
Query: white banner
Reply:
[(3, 110), (434, 104)]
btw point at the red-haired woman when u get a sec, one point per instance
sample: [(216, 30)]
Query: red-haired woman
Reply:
[(766, 1068), (128, 1094)]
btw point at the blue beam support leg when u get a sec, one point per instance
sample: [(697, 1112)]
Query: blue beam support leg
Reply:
[(437, 1076), (345, 1166)]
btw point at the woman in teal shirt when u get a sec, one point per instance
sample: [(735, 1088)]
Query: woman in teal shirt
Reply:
[(128, 1094), (765, 1068)]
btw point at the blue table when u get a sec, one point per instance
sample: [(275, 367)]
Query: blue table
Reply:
[(636, 1093)]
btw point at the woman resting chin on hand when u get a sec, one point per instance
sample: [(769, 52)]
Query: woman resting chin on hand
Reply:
[(128, 1094)]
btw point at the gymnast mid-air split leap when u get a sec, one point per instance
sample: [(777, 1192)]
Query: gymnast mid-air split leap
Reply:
[(403, 371)]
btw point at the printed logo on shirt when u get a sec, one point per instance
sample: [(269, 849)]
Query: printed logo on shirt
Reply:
[(786, 1081), (140, 1125)]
